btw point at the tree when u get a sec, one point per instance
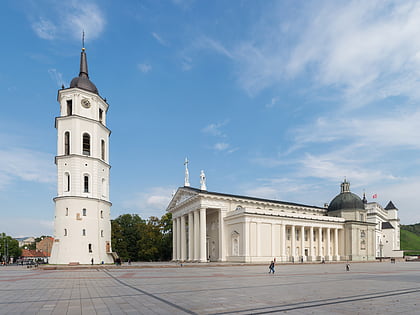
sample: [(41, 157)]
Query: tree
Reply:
[(136, 239), (9, 248)]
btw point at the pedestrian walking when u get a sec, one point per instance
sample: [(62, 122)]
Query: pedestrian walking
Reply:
[(347, 267), (271, 268)]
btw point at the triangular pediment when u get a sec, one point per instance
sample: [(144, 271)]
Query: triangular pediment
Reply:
[(182, 195)]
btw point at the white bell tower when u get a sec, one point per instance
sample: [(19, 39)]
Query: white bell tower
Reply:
[(82, 226)]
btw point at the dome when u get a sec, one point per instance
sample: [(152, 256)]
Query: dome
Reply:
[(346, 199), (82, 81)]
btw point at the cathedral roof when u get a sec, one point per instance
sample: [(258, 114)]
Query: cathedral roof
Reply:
[(390, 206), (82, 81), (346, 200)]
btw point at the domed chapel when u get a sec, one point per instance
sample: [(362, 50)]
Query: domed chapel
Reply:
[(212, 226)]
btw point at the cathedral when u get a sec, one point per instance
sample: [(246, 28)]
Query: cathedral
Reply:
[(213, 226), (82, 226)]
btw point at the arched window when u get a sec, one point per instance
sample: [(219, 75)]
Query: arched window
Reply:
[(84, 212), (67, 143), (102, 214), (65, 232), (84, 232), (103, 187), (102, 233), (86, 183), (86, 144), (90, 248), (103, 150), (67, 212), (66, 182)]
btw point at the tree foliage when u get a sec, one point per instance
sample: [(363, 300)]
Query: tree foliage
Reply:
[(9, 248), (142, 240)]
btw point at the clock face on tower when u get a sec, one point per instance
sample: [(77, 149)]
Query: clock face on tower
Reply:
[(85, 103)]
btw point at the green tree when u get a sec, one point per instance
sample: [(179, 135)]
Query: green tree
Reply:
[(9, 248), (165, 249), (124, 235)]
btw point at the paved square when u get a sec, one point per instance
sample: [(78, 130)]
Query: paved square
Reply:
[(368, 288)]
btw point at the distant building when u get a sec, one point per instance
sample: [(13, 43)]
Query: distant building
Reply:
[(24, 241), (45, 245), (32, 255), (223, 227)]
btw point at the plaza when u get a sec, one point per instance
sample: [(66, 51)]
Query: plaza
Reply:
[(169, 288)]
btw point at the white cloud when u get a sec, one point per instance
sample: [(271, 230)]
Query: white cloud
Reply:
[(159, 39), (214, 129), (70, 18), (44, 29), (56, 76), (221, 146), (152, 202), (144, 67), (27, 165)]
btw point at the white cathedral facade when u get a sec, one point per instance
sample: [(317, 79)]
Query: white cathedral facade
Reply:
[(213, 226), (82, 226)]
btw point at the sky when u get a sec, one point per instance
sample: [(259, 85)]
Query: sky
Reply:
[(272, 99)]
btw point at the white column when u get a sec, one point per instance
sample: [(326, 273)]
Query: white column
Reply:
[(203, 239), (328, 245), (196, 235), (320, 253), (302, 242), (337, 257), (174, 235), (311, 243), (283, 242), (273, 240), (183, 239), (222, 243), (293, 243), (178, 238), (190, 236)]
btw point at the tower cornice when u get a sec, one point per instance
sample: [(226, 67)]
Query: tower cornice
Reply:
[(63, 157), (82, 118), (83, 198)]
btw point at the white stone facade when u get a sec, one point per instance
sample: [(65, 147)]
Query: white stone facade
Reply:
[(82, 228), (209, 226)]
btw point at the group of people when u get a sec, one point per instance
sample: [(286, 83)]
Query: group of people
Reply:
[(273, 262)]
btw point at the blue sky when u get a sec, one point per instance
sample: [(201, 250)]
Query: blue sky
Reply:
[(273, 99)]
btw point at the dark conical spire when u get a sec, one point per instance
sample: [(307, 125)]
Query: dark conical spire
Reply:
[(82, 81), (83, 64)]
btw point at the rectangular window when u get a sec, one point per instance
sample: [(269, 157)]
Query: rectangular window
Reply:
[(297, 235), (306, 235), (288, 234), (101, 114), (69, 107)]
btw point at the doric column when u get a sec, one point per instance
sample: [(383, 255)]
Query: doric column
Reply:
[(190, 236), (283, 242), (222, 243), (196, 235), (328, 245), (273, 240), (174, 235), (203, 238), (178, 238), (302, 242), (183, 239), (320, 253), (293, 243), (311, 243), (258, 249), (336, 245)]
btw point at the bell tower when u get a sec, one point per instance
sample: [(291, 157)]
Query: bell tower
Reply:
[(82, 226)]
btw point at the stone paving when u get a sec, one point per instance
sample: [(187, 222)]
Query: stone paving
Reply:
[(368, 288)]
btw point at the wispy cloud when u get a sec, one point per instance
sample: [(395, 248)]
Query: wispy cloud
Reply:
[(152, 202), (215, 129), (159, 39), (69, 19), (26, 165), (144, 67), (56, 76)]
